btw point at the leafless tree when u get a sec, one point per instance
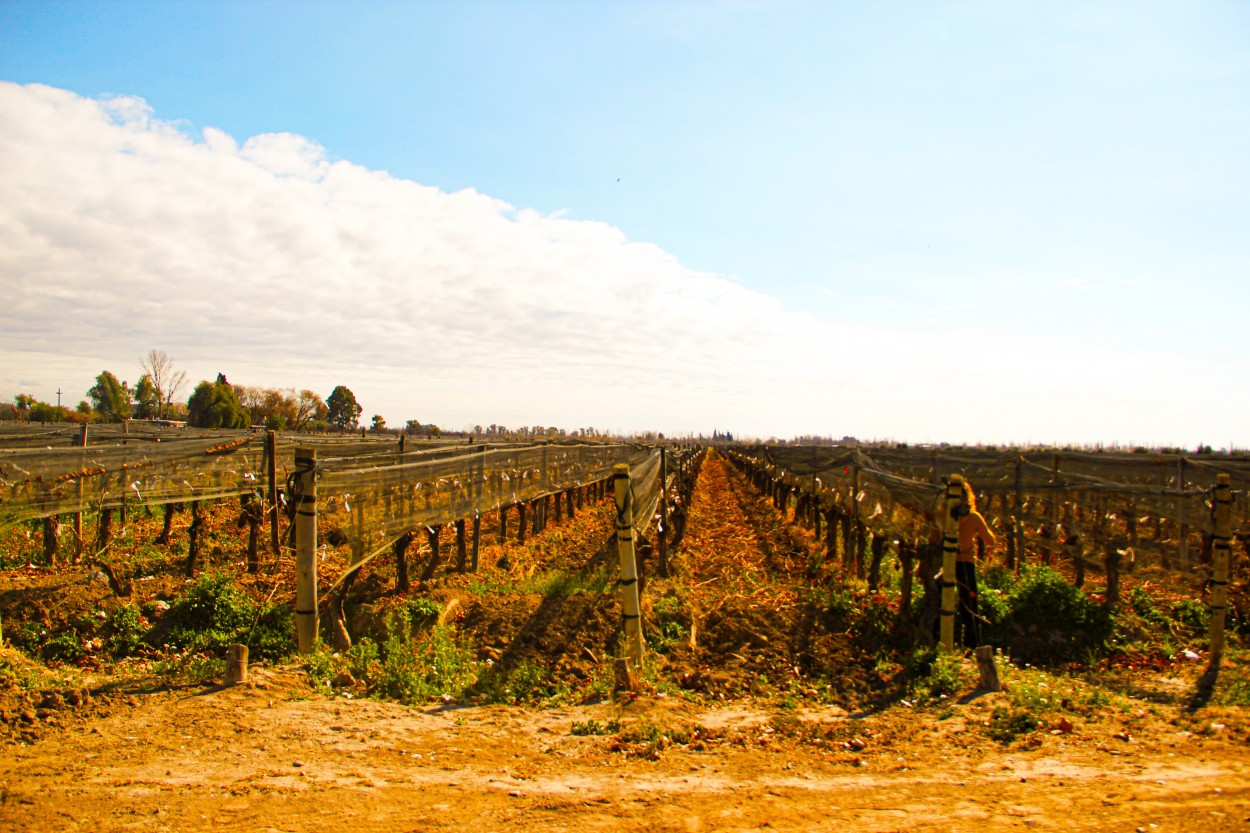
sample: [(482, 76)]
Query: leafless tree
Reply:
[(165, 378)]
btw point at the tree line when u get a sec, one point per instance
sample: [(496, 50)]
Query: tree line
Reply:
[(215, 404)]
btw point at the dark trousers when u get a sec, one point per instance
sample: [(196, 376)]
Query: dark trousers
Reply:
[(969, 622)]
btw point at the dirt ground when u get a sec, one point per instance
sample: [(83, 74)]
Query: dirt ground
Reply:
[(271, 756), (718, 750)]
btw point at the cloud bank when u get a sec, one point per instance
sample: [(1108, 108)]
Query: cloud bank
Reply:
[(273, 263), (277, 265)]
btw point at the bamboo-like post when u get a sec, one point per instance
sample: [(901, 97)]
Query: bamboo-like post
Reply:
[(305, 498), (662, 532), (950, 549), (630, 603), (1221, 549), (271, 466)]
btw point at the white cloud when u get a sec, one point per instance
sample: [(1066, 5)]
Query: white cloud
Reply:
[(270, 262)]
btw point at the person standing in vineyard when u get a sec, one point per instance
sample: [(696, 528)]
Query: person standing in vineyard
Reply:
[(972, 528)]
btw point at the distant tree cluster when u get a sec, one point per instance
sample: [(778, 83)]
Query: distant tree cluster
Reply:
[(284, 409), (216, 405)]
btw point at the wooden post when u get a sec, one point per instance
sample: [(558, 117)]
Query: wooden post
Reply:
[(462, 547), (858, 536), (630, 603), (432, 535), (1111, 564), (271, 465), (51, 537), (193, 538), (1182, 549), (400, 550), (874, 567), (950, 549), (907, 558), (477, 541), (662, 532), (236, 665), (103, 531), (988, 670), (521, 516), (1221, 550), (1018, 526), (253, 514), (1052, 515), (305, 498), (78, 541), (503, 524)]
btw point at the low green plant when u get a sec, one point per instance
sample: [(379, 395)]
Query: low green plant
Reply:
[(1051, 619), (424, 611), (215, 612), (935, 674), (27, 636), (875, 621), (1141, 603), (188, 667), (407, 666), (839, 604), (66, 646), (1192, 614), (126, 629), (1006, 725), (594, 727)]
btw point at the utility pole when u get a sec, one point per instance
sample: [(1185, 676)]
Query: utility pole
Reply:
[(58, 397)]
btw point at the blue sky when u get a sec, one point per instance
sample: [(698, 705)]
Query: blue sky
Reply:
[(1058, 191)]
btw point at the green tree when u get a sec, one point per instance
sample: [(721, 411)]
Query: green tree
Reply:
[(216, 405), (147, 398), (342, 409), (379, 423), (110, 397), (45, 412)]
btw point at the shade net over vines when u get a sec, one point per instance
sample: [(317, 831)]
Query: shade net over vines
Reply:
[(371, 489), (39, 482), (372, 505), (1072, 503)]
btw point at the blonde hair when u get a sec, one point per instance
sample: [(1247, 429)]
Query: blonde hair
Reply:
[(969, 496)]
